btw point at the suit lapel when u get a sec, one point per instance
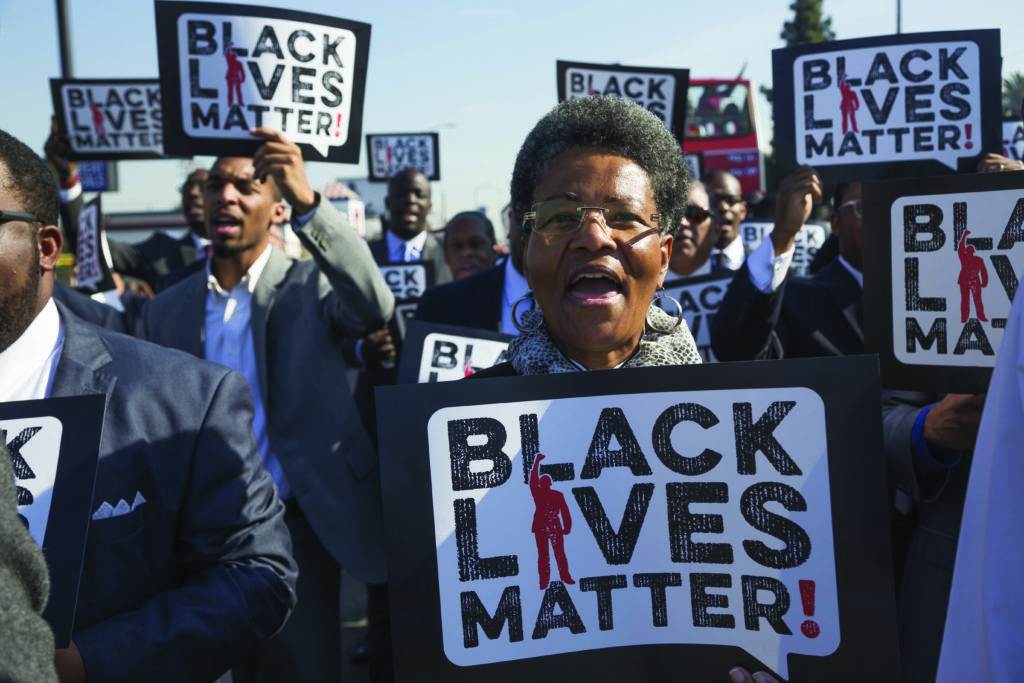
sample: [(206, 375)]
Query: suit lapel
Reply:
[(81, 368), (262, 302), (190, 321)]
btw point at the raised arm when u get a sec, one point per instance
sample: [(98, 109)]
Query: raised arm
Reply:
[(355, 298), (535, 474)]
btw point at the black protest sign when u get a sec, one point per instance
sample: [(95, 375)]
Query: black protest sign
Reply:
[(112, 118), (1013, 139), (226, 68), (440, 353), (659, 90), (54, 450), (946, 257), (888, 106), (389, 153), (809, 240), (699, 298), (92, 258), (741, 520), (407, 281)]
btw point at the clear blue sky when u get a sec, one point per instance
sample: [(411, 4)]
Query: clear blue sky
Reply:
[(482, 72)]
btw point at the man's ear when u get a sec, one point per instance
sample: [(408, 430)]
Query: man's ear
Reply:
[(279, 214), (50, 241)]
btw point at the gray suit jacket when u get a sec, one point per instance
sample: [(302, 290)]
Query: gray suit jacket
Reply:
[(301, 311), (198, 571)]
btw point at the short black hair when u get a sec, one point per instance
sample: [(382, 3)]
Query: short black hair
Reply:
[(29, 178), (612, 124), (478, 216), (409, 172)]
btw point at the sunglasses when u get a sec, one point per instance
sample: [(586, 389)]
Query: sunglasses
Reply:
[(696, 214), (7, 216)]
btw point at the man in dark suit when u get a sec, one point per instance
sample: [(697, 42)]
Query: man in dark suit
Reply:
[(483, 301), (281, 322), (187, 562), (927, 439), (89, 310)]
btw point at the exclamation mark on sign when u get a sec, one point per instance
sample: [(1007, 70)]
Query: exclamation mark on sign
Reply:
[(337, 130), (809, 628), (967, 130)]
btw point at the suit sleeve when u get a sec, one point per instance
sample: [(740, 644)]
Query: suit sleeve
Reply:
[(355, 297), (26, 648), (747, 324), (234, 556), (921, 481)]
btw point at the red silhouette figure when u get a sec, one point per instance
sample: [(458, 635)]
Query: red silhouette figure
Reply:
[(973, 277), (97, 119), (551, 522), (234, 77), (848, 106)]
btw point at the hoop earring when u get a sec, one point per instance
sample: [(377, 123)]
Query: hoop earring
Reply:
[(659, 296), (516, 321)]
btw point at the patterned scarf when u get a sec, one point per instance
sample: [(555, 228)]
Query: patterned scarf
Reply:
[(533, 353)]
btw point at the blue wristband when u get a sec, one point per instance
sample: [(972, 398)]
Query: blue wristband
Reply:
[(917, 441)]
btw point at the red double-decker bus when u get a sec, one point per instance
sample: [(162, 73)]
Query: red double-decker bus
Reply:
[(721, 125)]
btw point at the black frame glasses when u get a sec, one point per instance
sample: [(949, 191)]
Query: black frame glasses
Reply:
[(7, 216)]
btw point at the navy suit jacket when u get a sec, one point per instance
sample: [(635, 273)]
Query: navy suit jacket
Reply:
[(200, 570), (474, 301)]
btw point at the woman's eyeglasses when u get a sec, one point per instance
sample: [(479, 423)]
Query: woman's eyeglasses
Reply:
[(562, 217)]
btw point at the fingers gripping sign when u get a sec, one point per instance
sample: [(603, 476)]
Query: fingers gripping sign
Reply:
[(281, 159)]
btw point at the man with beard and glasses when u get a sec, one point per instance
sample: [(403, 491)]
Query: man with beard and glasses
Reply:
[(728, 211), (281, 323), (159, 260), (196, 571)]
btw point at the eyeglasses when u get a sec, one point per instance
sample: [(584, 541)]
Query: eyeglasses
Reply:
[(7, 216), (563, 217), (696, 214), (858, 207)]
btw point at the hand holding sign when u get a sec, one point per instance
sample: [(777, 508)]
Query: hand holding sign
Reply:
[(58, 151), (798, 193), (953, 422), (377, 347), (281, 158), (997, 163), (741, 675)]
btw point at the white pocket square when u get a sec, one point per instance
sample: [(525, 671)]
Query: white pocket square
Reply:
[(106, 510)]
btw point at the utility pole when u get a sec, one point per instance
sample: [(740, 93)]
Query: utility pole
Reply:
[(899, 16), (64, 39)]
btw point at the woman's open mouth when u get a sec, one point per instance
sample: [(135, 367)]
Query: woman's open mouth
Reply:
[(594, 286)]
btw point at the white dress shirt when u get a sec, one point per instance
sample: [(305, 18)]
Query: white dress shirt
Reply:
[(229, 343), (732, 256), (405, 251), (28, 365), (768, 270), (515, 287)]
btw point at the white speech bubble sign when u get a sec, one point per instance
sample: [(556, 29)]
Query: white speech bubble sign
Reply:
[(926, 96), (936, 301), (291, 76), (448, 357), (113, 117), (37, 442), (566, 428)]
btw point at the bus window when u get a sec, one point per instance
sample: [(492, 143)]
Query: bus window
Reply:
[(717, 110)]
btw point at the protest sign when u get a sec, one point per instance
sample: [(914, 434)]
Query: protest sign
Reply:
[(226, 68), (699, 298), (888, 106), (808, 242), (432, 352), (110, 118), (782, 562), (659, 90), (694, 164), (387, 154), (946, 256), (98, 176), (54, 451), (407, 281), (1013, 139), (92, 258)]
